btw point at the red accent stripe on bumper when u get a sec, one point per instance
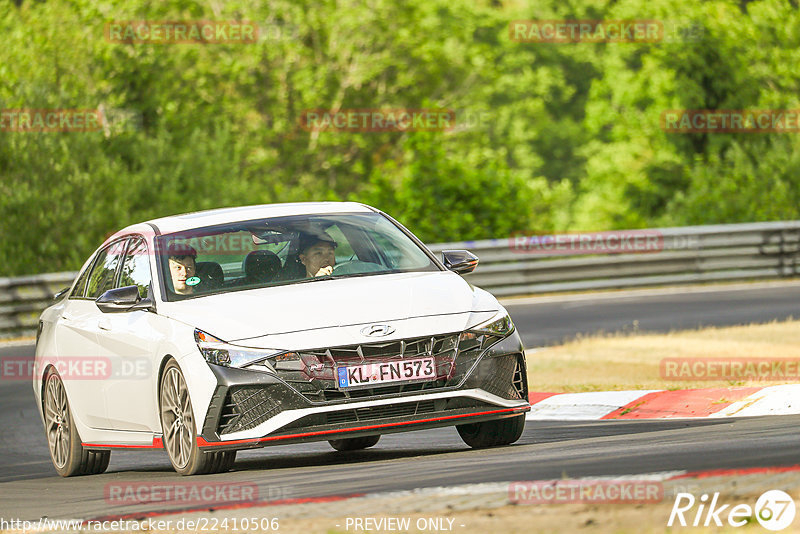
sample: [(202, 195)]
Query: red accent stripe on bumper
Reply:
[(158, 443), (201, 442)]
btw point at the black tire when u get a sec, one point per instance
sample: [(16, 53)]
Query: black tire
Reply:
[(354, 444), (219, 462), (69, 456), (178, 428), (227, 463), (492, 433)]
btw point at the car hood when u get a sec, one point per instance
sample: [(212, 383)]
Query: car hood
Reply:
[(251, 317)]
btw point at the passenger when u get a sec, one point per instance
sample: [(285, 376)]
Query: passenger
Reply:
[(317, 254), (181, 259)]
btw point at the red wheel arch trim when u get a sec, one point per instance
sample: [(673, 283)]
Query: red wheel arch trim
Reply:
[(158, 443)]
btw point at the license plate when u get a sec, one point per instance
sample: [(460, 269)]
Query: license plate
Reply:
[(385, 372)]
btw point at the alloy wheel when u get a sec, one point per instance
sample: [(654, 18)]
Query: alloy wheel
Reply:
[(58, 421), (177, 417)]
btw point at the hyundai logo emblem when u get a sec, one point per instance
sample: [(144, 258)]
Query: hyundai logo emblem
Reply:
[(377, 330)]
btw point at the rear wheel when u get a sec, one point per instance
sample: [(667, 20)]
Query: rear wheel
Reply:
[(354, 444), (178, 427), (69, 456), (492, 433)]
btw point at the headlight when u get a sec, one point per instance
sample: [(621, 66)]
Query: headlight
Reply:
[(217, 352), (499, 325)]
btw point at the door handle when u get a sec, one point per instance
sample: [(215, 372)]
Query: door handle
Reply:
[(104, 324)]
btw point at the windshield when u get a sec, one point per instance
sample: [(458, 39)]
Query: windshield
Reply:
[(284, 250)]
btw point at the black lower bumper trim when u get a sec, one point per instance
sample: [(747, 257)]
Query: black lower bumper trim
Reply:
[(389, 426)]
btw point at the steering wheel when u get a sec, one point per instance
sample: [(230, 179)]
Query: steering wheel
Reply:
[(356, 267)]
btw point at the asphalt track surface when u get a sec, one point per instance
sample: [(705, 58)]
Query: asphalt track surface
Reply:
[(30, 488), (552, 320)]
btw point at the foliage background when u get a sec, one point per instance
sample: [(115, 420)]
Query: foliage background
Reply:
[(567, 136)]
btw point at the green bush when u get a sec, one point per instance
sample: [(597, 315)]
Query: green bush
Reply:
[(550, 137)]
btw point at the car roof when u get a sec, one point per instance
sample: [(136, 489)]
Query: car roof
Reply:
[(200, 219)]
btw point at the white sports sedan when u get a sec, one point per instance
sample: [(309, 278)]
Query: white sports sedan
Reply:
[(217, 331)]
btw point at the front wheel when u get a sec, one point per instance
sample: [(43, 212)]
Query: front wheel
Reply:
[(177, 425), (492, 433), (69, 456), (354, 444)]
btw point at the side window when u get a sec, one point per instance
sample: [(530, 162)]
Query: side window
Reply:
[(80, 287), (136, 267), (103, 273)]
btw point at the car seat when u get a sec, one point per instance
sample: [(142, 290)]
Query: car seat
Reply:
[(261, 266)]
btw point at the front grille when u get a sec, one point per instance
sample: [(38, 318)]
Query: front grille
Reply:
[(371, 413), (376, 414), (519, 379), (314, 375), (335, 394), (496, 376), (246, 408)]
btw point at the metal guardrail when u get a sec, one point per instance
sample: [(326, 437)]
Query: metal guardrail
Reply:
[(23, 298), (508, 267), (692, 254)]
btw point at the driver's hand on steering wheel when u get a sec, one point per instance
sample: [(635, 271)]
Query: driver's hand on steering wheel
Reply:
[(325, 271)]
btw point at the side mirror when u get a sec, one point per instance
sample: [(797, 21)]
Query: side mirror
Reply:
[(61, 293), (459, 261), (123, 299)]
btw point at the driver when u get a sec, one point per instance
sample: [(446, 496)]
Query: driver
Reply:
[(317, 254), (181, 259)]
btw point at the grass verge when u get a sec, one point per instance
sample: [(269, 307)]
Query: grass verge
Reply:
[(625, 362)]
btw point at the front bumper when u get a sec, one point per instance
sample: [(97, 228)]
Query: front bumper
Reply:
[(255, 409)]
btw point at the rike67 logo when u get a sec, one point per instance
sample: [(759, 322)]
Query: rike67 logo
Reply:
[(774, 510)]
